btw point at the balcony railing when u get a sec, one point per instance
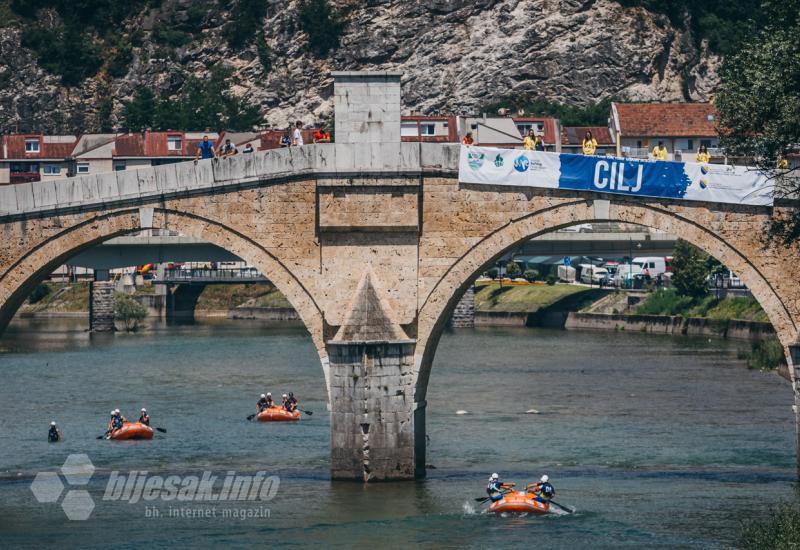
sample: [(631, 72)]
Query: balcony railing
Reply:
[(203, 275)]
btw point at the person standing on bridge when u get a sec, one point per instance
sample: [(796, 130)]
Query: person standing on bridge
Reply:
[(702, 154), (297, 138), (659, 151), (205, 150), (468, 139), (227, 150), (589, 144)]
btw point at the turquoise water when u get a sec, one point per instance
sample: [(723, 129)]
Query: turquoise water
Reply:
[(659, 442)]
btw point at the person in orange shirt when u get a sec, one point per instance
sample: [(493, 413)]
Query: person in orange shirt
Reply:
[(468, 139)]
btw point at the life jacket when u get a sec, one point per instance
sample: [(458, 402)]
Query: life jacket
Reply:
[(52, 434), (144, 419), (494, 487), (262, 404), (117, 423)]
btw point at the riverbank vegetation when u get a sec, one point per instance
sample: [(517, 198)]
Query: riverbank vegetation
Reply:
[(522, 298), (129, 311), (669, 301), (780, 529)]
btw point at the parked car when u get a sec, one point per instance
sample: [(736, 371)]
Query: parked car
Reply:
[(593, 275)]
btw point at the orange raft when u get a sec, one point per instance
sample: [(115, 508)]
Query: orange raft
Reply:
[(277, 414), (519, 502), (133, 430)]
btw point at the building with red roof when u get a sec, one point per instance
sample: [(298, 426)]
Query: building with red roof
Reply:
[(34, 157), (636, 128), (572, 139)]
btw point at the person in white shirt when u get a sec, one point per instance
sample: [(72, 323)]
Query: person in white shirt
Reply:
[(297, 139)]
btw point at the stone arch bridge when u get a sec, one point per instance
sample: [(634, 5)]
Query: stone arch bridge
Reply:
[(373, 242)]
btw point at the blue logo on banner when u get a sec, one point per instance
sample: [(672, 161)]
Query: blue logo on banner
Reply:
[(627, 177), (521, 164), (498, 161)]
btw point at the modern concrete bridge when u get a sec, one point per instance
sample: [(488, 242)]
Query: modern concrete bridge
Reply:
[(373, 241)]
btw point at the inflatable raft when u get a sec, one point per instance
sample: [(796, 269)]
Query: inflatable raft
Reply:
[(133, 430), (277, 414), (519, 502)]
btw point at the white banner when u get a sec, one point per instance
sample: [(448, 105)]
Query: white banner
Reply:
[(632, 177)]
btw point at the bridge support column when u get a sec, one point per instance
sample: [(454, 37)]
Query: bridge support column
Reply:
[(101, 303), (794, 365), (377, 430)]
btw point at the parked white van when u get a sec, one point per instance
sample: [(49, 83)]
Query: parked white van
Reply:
[(592, 274), (653, 265), (624, 273)]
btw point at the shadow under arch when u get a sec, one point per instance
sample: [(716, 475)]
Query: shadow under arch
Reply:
[(21, 277), (444, 297)]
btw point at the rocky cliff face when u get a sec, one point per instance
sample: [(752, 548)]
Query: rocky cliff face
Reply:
[(456, 55)]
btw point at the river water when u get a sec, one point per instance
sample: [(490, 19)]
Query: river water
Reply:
[(658, 442)]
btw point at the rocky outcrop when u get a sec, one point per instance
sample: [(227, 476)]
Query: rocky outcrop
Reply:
[(456, 55)]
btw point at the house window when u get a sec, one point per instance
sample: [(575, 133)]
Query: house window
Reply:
[(690, 145), (524, 128), (174, 143), (408, 129), (32, 145), (119, 165), (706, 142), (83, 167), (24, 168), (51, 170), (427, 129)]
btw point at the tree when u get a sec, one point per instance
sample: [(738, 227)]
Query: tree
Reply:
[(759, 103), (690, 269), (129, 311), (323, 25), (531, 274), (513, 270)]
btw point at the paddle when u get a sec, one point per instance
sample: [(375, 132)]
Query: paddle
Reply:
[(252, 416), (162, 430), (309, 413), (565, 508), (505, 486)]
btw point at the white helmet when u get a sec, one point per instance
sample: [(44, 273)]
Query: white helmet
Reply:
[(116, 411), (263, 396), (494, 477), (544, 479), (144, 410), (268, 394), (113, 413), (284, 395), (53, 423)]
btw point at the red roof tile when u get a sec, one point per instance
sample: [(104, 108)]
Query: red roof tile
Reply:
[(573, 135), (667, 119), (14, 148), (153, 144)]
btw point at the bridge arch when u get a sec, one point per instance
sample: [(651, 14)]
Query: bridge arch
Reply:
[(440, 302), (21, 277)]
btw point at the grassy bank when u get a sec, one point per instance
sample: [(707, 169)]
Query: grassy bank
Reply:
[(669, 302), (74, 297), (222, 297), (523, 298)]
